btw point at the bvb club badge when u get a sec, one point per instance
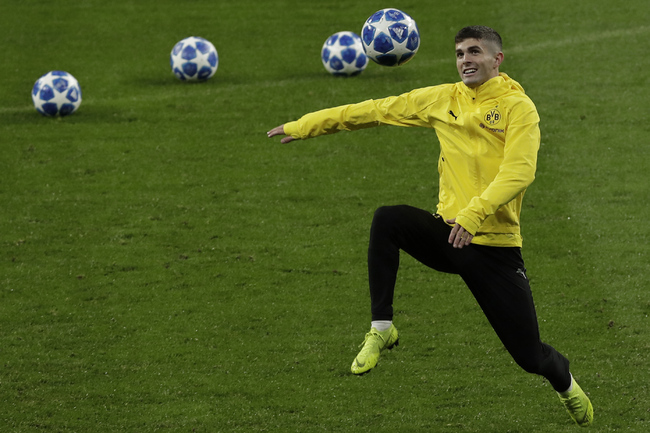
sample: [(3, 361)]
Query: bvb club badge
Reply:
[(492, 117)]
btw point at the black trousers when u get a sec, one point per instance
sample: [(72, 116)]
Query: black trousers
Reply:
[(496, 277)]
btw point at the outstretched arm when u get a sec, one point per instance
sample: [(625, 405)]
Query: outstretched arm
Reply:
[(408, 109), (279, 130)]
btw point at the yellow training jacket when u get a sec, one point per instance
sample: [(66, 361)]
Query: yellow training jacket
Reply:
[(489, 138)]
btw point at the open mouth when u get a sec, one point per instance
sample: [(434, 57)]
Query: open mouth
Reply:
[(469, 71)]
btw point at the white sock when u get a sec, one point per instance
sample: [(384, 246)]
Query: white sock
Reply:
[(381, 325)]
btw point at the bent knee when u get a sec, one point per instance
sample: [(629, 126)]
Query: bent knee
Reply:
[(391, 213)]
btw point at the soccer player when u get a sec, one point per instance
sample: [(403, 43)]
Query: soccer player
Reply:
[(488, 130)]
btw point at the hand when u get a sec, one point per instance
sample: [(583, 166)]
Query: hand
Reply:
[(279, 130), (459, 237)]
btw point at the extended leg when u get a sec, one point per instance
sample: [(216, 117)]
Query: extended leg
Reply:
[(393, 228), (498, 281)]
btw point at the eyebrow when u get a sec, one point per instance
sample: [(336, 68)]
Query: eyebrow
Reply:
[(477, 47)]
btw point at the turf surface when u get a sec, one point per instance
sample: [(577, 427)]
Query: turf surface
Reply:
[(165, 266)]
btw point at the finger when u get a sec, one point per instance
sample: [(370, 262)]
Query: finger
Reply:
[(452, 235), (461, 237), (459, 241), (278, 130), (454, 229), (466, 240), (287, 139)]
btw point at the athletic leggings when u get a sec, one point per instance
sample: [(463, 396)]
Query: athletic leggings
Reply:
[(495, 275)]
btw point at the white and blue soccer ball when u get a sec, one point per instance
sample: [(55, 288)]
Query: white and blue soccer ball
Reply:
[(343, 54), (56, 93), (194, 59), (390, 37)]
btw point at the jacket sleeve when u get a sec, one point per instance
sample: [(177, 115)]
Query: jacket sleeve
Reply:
[(516, 171), (407, 109)]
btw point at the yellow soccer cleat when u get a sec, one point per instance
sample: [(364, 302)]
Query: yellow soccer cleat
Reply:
[(578, 405), (374, 343)]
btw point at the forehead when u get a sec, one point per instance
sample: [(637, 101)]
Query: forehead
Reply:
[(468, 43)]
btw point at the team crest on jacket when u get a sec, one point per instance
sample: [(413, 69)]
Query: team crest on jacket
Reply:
[(492, 117)]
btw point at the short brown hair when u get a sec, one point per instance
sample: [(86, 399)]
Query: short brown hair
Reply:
[(480, 33)]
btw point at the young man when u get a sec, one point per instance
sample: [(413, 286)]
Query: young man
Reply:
[(489, 136)]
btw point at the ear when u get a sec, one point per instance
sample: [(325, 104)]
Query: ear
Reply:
[(498, 59)]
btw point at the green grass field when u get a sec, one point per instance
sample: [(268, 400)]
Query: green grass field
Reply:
[(166, 267)]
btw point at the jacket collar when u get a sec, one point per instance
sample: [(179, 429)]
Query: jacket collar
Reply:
[(491, 89)]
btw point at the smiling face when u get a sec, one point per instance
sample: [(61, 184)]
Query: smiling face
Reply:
[(477, 61)]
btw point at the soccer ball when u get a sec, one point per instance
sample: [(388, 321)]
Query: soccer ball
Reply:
[(194, 59), (343, 54), (56, 93), (390, 37)]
